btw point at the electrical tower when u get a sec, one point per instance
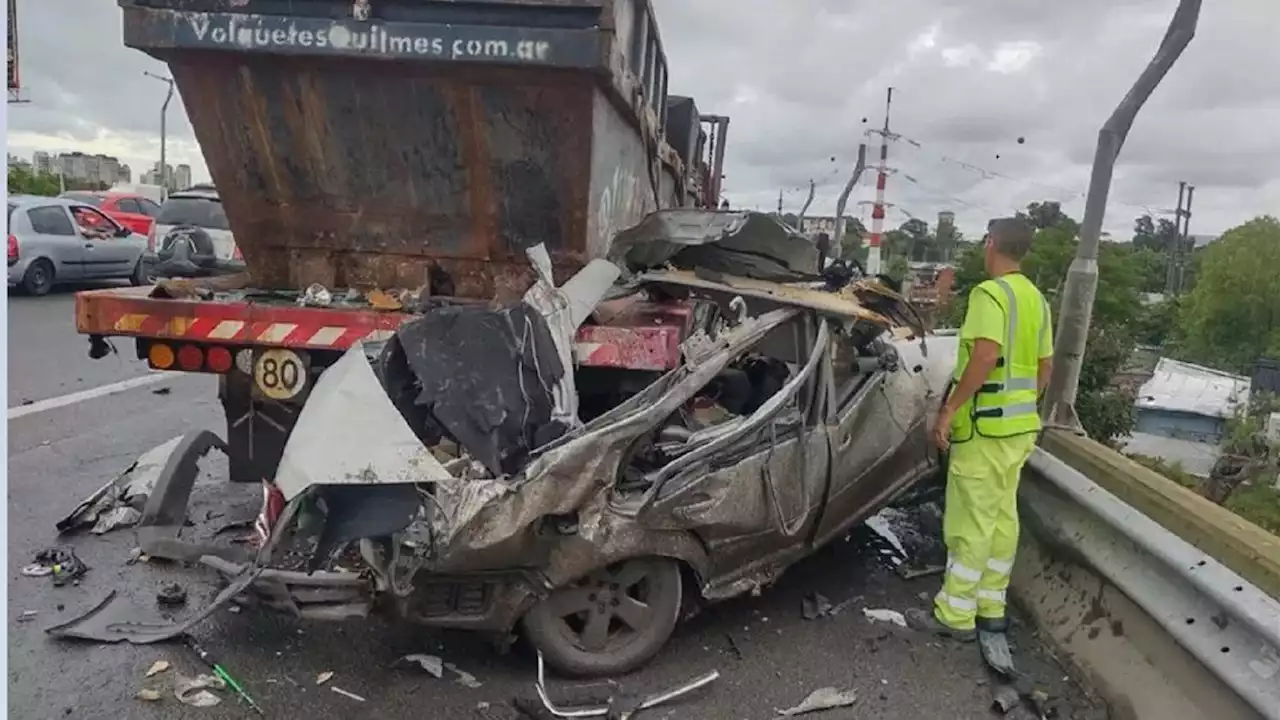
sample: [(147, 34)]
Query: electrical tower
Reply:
[(877, 213)]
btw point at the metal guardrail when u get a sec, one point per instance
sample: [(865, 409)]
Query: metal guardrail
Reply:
[(1228, 624)]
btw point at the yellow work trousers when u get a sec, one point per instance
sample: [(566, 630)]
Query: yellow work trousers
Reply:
[(980, 528)]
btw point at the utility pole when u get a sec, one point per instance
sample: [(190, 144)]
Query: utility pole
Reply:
[(1171, 270), (837, 242), (808, 201), (877, 213), (1184, 245), (1082, 277), (779, 204), (164, 111)]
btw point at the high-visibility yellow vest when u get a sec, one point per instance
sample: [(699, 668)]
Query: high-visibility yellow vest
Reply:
[(1005, 405)]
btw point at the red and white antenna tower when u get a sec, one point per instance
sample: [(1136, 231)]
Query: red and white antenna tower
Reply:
[(877, 212)]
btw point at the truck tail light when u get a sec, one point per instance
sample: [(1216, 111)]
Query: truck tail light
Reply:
[(13, 249), (220, 360), (236, 254), (160, 356), (190, 358)]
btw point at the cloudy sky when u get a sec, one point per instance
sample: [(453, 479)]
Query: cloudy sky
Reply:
[(798, 78)]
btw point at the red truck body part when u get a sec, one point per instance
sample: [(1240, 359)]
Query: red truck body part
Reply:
[(412, 145)]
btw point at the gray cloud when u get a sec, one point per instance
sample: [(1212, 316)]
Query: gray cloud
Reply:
[(799, 76)]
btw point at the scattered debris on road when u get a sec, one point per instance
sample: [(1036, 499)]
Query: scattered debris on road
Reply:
[(148, 694), (346, 694), (172, 595), (885, 616), (465, 679), (195, 691), (60, 563), (613, 707), (913, 573), (815, 605), (156, 668), (28, 615), (826, 698), (324, 677), (430, 663), (119, 503), (162, 391), (1004, 699)]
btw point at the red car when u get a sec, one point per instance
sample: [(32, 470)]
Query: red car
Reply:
[(133, 211)]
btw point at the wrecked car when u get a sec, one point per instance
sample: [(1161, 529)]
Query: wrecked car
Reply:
[(600, 506)]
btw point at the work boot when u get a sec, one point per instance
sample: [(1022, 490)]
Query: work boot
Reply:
[(996, 652), (925, 621)]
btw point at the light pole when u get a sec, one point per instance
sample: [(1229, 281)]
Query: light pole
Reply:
[(1082, 277), (164, 111)]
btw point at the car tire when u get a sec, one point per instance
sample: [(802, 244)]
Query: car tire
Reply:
[(140, 275), (38, 280), (565, 626)]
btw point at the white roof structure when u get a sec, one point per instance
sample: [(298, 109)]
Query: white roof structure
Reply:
[(1193, 389)]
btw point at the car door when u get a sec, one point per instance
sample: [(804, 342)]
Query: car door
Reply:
[(128, 212), (54, 236), (754, 499), (150, 211), (876, 405), (110, 249)]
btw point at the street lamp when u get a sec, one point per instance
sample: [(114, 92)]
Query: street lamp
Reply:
[(164, 110)]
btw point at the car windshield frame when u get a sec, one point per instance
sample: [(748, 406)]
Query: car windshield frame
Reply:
[(197, 210)]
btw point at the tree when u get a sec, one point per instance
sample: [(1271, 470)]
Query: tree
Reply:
[(1144, 233), (1232, 315), (1048, 214), (23, 181)]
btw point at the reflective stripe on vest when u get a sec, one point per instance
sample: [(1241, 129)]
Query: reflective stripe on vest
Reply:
[(1005, 405)]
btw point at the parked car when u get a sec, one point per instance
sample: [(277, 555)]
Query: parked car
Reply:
[(132, 210), (57, 240), (191, 236)]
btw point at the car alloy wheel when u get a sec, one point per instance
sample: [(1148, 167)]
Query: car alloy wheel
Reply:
[(610, 622)]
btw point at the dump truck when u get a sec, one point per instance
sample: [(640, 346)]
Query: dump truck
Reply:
[(380, 156)]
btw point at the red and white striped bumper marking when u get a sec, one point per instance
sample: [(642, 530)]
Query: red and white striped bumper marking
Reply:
[(239, 331)]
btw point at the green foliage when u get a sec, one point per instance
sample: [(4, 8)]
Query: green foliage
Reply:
[(897, 268), (1232, 315), (22, 181)]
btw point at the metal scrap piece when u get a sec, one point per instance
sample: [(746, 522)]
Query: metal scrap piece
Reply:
[(825, 698), (603, 710), (1005, 698), (193, 692)]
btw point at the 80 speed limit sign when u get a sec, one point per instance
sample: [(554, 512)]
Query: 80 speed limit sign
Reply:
[(279, 373)]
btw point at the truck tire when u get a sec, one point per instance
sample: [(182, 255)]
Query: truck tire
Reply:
[(257, 429)]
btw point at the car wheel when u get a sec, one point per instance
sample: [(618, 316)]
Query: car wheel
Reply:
[(141, 275), (611, 622), (39, 278)]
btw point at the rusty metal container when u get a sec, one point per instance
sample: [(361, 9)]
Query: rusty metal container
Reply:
[(382, 142)]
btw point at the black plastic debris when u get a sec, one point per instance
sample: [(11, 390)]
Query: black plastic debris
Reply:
[(1004, 699), (482, 377), (59, 563), (171, 594)]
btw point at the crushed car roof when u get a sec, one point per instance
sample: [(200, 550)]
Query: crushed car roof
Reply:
[(865, 300)]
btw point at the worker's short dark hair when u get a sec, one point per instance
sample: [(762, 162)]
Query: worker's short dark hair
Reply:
[(1011, 237)]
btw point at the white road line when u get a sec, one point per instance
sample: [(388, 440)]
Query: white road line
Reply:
[(101, 391)]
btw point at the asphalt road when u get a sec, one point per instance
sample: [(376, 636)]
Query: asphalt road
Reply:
[(768, 655)]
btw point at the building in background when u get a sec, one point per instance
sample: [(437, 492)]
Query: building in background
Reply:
[(81, 167), (1183, 411), (124, 175), (15, 161), (181, 177), (42, 162)]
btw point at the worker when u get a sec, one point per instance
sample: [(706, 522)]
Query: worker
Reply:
[(988, 424)]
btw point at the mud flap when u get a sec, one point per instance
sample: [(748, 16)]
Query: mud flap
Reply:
[(165, 513), (115, 619)]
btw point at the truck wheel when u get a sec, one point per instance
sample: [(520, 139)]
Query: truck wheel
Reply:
[(256, 429), (612, 621), (38, 279)]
